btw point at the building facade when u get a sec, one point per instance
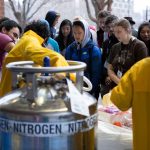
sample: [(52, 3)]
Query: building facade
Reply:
[(1, 8), (123, 8), (69, 9)]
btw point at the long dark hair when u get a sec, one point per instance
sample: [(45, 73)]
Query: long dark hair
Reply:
[(147, 43), (141, 27), (60, 36)]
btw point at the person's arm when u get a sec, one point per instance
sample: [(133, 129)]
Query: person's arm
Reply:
[(122, 94), (111, 58), (37, 54), (140, 51), (6, 43), (112, 74), (96, 68), (9, 46)]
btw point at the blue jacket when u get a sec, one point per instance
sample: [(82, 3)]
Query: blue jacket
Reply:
[(52, 44), (91, 55)]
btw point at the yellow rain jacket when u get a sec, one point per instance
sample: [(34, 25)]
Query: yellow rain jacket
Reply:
[(134, 91), (28, 48)]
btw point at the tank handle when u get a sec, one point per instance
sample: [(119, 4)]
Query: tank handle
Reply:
[(25, 67), (46, 63), (28, 68)]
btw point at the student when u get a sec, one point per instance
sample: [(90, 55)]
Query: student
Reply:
[(84, 49), (107, 45), (30, 47), (65, 35), (144, 34), (124, 54), (11, 28), (102, 35), (133, 91), (52, 17), (50, 43), (9, 34)]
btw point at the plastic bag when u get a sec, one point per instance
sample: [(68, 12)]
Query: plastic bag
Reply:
[(122, 119), (110, 137)]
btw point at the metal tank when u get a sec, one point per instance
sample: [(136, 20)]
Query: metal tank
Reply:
[(47, 113)]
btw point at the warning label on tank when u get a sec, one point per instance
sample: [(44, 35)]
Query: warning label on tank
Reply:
[(47, 129)]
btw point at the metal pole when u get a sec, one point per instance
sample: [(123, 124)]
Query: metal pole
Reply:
[(146, 14), (128, 8)]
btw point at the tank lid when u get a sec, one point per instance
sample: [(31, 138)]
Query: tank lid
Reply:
[(14, 103)]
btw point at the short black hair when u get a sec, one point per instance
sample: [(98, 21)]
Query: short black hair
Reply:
[(3, 19), (103, 14), (9, 24), (39, 27), (111, 19), (78, 23)]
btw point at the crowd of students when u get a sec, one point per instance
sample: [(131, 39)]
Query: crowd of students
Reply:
[(109, 52)]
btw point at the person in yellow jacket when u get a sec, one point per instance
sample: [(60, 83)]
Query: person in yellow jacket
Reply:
[(133, 91), (30, 47)]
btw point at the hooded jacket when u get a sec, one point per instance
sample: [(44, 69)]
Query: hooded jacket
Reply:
[(30, 48), (50, 17), (89, 53)]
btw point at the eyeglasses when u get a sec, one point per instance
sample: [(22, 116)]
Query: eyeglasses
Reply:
[(109, 26)]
